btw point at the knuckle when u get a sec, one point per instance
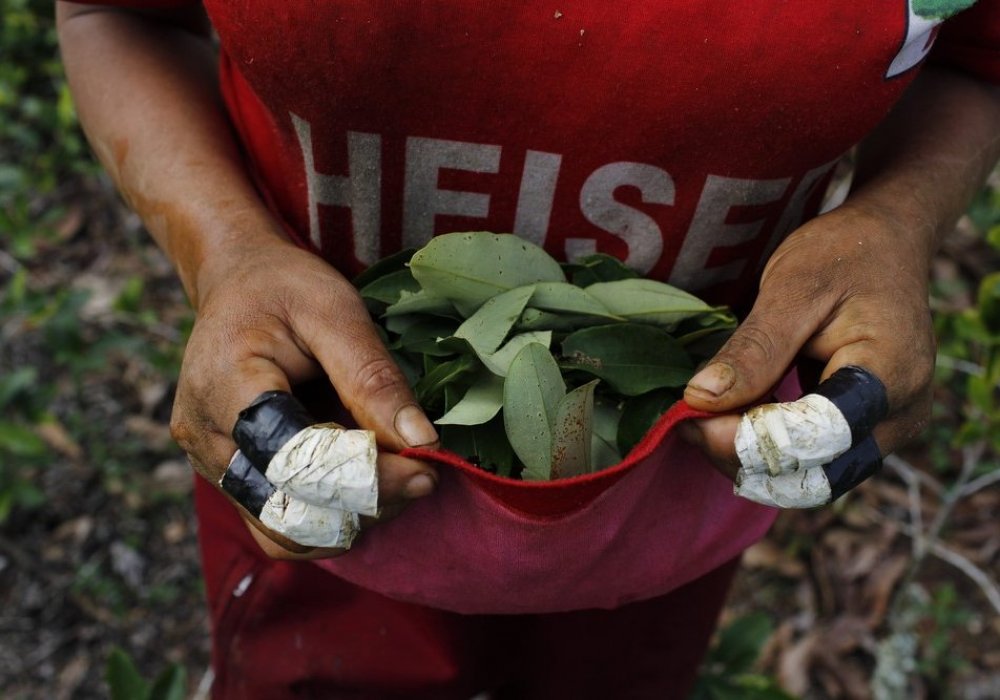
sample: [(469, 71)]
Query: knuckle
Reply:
[(378, 376), (183, 432), (753, 342)]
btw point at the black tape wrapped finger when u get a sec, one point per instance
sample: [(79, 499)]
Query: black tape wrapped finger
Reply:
[(808, 452), (307, 482)]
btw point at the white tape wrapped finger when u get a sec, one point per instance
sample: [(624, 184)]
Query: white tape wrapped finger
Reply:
[(809, 452), (308, 524), (806, 488), (329, 466), (779, 438)]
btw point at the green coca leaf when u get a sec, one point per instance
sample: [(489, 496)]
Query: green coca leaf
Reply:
[(422, 302), (565, 298), (538, 320), (390, 288), (648, 301), (632, 358), (479, 404), (430, 388), (470, 268), (603, 445), (487, 328), (640, 414), (422, 335), (598, 268), (483, 445), (499, 362), (385, 266)]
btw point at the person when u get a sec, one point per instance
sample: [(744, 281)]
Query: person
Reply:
[(694, 144)]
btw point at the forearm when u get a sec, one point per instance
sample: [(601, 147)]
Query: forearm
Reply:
[(923, 165), (147, 95)]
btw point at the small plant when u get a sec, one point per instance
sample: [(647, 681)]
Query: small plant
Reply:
[(727, 673), (126, 683)]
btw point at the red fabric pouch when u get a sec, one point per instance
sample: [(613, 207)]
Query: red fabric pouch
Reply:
[(484, 544)]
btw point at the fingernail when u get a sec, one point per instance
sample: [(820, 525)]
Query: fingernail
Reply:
[(413, 426), (713, 380), (419, 486)]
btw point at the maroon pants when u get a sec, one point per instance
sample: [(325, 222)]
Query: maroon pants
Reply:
[(291, 630)]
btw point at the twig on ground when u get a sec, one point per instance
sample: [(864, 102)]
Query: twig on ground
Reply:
[(971, 456), (989, 587), (959, 365), (981, 578), (911, 477), (982, 482), (907, 471)]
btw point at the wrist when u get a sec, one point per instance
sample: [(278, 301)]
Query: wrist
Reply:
[(206, 255)]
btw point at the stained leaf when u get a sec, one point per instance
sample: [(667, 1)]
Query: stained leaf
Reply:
[(632, 359), (499, 362), (648, 301), (487, 328), (469, 268), (479, 404), (531, 395), (572, 431)]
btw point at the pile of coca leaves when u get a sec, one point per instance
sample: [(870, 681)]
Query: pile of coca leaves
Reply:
[(531, 368)]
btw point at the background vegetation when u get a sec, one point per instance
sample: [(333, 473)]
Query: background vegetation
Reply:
[(890, 593)]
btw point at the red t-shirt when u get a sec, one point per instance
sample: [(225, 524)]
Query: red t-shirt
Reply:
[(686, 140), (683, 137)]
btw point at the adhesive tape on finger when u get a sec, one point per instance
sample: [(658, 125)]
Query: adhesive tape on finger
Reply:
[(778, 438), (813, 486), (328, 465), (808, 452), (325, 465), (304, 523)]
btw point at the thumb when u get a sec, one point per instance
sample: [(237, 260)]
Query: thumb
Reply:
[(368, 381), (756, 356)]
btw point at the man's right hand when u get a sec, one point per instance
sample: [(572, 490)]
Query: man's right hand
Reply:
[(270, 318), (270, 315)]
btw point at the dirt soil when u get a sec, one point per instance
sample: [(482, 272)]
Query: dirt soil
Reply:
[(108, 556)]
